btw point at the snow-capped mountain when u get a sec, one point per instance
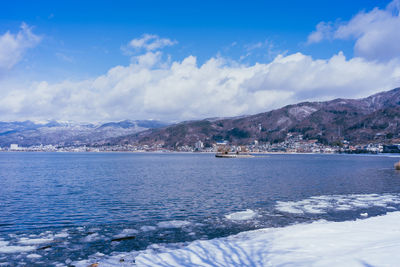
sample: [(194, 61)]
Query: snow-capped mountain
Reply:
[(27, 133)]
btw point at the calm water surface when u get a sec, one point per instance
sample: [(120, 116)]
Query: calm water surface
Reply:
[(64, 207)]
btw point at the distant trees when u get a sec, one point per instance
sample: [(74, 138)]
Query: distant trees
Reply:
[(238, 133)]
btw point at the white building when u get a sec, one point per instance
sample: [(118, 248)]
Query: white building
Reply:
[(199, 145), (14, 147)]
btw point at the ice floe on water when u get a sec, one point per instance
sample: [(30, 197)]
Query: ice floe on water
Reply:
[(24, 243), (34, 241), (5, 248), (61, 235), (92, 237), (242, 215), (324, 204), (33, 256), (147, 228), (173, 224), (126, 232)]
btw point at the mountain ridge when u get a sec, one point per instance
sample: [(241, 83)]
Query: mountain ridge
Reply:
[(28, 133), (372, 118)]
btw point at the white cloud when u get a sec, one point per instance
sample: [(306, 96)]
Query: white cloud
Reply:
[(323, 31), (14, 46), (150, 42), (376, 33), (180, 90)]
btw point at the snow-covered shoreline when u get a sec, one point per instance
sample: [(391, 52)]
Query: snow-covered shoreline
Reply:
[(373, 241), (369, 242)]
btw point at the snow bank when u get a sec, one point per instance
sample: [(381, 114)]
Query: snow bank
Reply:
[(369, 242)]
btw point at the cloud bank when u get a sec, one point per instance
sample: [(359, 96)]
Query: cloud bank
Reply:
[(180, 90)]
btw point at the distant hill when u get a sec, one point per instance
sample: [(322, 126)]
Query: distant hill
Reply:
[(28, 133), (370, 119)]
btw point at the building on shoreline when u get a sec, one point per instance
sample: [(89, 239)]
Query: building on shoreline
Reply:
[(291, 144), (14, 147)]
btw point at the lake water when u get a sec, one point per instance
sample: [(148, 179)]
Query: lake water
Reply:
[(58, 209)]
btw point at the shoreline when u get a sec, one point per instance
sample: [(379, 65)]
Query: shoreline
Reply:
[(373, 241), (197, 152)]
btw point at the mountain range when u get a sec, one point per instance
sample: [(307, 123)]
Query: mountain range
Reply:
[(28, 133), (372, 119)]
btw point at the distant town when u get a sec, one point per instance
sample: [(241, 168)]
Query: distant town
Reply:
[(291, 144)]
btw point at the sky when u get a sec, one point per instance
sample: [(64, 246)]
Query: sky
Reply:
[(97, 61)]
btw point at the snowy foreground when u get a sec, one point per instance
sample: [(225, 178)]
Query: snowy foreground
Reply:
[(368, 242)]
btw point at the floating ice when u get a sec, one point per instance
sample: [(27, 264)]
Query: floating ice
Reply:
[(126, 233), (323, 204), (147, 228), (27, 244), (16, 249), (33, 256), (61, 235), (34, 241), (242, 215), (92, 237), (173, 224)]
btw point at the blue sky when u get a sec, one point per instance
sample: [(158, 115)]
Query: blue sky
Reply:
[(80, 41), (83, 38)]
